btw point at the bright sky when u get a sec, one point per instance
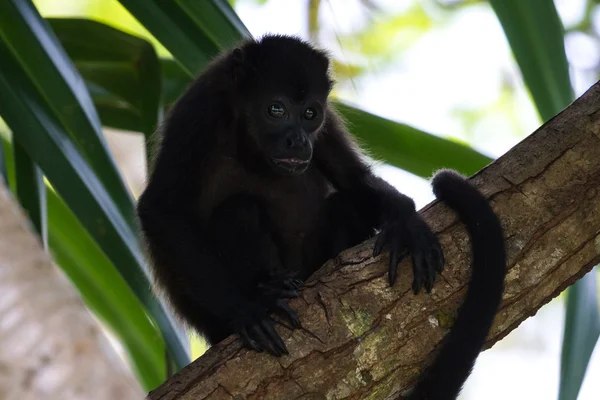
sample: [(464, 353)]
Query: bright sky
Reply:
[(463, 62)]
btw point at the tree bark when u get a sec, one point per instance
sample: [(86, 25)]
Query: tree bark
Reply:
[(363, 339)]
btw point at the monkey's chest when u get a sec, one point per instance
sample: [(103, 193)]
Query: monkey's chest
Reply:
[(292, 204), (293, 208), (293, 213)]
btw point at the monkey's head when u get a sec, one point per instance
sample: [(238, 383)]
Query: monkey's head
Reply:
[(282, 85)]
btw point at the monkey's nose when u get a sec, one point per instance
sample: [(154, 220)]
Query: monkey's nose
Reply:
[(297, 140), (289, 142)]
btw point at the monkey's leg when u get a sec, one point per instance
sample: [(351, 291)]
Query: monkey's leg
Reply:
[(339, 227), (240, 232)]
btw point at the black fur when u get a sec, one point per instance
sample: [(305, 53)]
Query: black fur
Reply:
[(246, 199), (444, 378)]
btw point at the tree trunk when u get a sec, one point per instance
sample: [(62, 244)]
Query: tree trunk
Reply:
[(50, 345), (363, 339)]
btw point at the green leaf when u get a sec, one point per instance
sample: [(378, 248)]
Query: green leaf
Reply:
[(43, 136), (103, 289), (124, 66), (175, 81), (409, 148), (9, 158), (37, 51), (3, 162), (119, 113), (582, 329), (176, 30), (535, 33), (106, 293), (217, 19), (193, 31), (31, 191)]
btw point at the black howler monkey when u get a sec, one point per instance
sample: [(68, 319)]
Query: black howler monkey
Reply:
[(256, 184)]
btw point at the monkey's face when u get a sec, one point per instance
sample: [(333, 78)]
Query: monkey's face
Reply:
[(284, 131), (282, 87)]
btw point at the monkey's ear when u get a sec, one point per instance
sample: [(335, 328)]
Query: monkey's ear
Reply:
[(238, 65)]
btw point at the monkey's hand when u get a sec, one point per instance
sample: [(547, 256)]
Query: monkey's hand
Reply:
[(412, 235), (252, 321), (275, 289), (257, 329)]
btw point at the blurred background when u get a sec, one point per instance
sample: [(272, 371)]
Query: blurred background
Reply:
[(432, 68)]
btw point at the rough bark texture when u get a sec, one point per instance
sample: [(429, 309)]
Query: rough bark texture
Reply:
[(363, 339)]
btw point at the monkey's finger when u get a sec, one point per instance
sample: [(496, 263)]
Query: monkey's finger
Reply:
[(431, 268), (248, 342), (294, 283), (289, 313), (380, 242), (263, 340), (418, 260), (393, 267), (274, 336)]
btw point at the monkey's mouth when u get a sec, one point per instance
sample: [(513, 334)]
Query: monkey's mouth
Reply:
[(290, 165)]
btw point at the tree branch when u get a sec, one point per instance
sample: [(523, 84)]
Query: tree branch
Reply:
[(362, 338)]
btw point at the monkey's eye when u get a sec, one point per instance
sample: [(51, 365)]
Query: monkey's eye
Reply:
[(310, 113), (276, 110)]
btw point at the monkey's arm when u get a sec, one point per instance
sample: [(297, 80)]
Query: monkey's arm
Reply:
[(402, 228), (211, 277)]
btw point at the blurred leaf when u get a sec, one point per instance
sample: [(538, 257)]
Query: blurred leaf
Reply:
[(103, 289), (218, 19), (122, 65), (9, 158), (3, 161), (31, 191), (112, 108), (56, 80), (535, 33), (343, 70), (43, 136), (582, 329), (106, 293), (192, 31), (409, 148), (388, 34), (175, 81)]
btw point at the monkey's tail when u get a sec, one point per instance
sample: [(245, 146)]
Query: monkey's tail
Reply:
[(461, 346)]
